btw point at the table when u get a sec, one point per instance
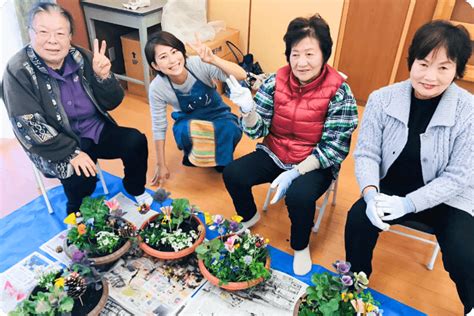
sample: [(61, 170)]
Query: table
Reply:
[(112, 11)]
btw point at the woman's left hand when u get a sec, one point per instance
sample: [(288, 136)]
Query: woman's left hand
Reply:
[(204, 52), (100, 63)]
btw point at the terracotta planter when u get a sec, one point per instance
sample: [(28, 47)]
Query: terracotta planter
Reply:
[(172, 255), (103, 300), (231, 286), (296, 310), (103, 261), (87, 298)]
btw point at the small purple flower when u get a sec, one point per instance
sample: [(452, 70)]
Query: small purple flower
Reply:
[(347, 280), (248, 259), (233, 226), (342, 267), (77, 256), (218, 219)]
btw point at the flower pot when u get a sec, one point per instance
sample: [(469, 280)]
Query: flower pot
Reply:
[(172, 255), (231, 286), (93, 301), (104, 262), (296, 310)]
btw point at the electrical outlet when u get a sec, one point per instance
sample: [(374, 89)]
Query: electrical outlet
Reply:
[(111, 51)]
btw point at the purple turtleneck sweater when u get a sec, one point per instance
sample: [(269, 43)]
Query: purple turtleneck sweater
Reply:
[(83, 116)]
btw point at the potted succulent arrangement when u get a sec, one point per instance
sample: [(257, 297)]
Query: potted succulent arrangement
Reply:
[(76, 290), (173, 233), (342, 294), (236, 259), (100, 231)]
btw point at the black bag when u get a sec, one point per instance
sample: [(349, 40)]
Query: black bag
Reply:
[(247, 63)]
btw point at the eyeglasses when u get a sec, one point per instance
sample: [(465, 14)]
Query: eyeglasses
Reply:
[(45, 35)]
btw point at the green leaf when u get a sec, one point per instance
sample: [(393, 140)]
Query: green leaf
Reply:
[(66, 304), (43, 307)]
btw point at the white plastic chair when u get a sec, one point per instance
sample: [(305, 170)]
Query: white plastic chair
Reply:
[(420, 228), (40, 183), (332, 188)]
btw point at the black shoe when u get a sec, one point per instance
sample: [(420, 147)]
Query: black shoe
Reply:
[(186, 162)]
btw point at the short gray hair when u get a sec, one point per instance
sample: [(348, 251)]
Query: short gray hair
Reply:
[(50, 7)]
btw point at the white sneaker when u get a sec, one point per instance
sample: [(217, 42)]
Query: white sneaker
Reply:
[(471, 313), (145, 197), (251, 222), (302, 261)]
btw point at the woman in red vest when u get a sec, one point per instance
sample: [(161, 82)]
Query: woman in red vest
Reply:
[(306, 114)]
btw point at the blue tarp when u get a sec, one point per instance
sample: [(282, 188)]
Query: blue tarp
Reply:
[(32, 225)]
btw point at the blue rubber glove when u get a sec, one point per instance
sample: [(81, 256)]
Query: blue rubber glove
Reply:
[(372, 212), (393, 206), (282, 183)]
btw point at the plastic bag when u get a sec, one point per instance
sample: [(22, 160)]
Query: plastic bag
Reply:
[(184, 18)]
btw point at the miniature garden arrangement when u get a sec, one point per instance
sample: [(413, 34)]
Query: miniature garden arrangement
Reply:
[(99, 230), (342, 294), (77, 290), (236, 259), (174, 232)]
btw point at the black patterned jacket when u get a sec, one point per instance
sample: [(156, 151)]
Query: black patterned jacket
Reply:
[(33, 102)]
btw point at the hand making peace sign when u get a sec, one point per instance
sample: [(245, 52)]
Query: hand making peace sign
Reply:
[(204, 52), (100, 63)]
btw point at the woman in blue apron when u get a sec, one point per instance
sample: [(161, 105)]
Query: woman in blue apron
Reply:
[(204, 128)]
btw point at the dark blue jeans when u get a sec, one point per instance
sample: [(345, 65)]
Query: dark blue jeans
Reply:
[(454, 230), (257, 168)]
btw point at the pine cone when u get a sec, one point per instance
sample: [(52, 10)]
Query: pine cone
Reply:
[(76, 285), (126, 230)]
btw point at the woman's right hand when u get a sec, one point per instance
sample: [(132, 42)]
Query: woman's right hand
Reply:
[(161, 174), (240, 95), (83, 164)]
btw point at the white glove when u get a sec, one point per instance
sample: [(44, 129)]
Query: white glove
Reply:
[(373, 213), (282, 183), (240, 95), (393, 206)]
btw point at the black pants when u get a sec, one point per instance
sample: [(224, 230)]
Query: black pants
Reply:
[(125, 143), (257, 168), (454, 230)]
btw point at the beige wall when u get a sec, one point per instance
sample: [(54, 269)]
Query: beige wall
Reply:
[(269, 19)]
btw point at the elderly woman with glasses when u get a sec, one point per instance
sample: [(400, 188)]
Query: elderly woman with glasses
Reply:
[(57, 97)]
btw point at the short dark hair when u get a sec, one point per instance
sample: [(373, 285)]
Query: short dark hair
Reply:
[(50, 7), (166, 39), (440, 33), (315, 27)]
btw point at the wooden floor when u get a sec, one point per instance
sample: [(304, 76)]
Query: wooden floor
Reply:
[(399, 263)]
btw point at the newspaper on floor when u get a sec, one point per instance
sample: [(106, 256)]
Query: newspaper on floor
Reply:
[(131, 210), (55, 248), (276, 296), (17, 282), (148, 286)]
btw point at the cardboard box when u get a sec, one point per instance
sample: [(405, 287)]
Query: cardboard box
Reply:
[(133, 61), (133, 58)]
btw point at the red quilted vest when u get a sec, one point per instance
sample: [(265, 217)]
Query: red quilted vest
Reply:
[(299, 113)]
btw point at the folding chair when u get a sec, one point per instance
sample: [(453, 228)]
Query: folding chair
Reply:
[(40, 183), (332, 188), (420, 228)]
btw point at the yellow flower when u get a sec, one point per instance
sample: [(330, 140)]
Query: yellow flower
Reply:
[(267, 241), (343, 295), (59, 282), (351, 296), (237, 246), (369, 307), (208, 218), (237, 218)]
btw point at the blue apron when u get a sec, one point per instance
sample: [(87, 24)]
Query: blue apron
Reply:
[(205, 128)]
